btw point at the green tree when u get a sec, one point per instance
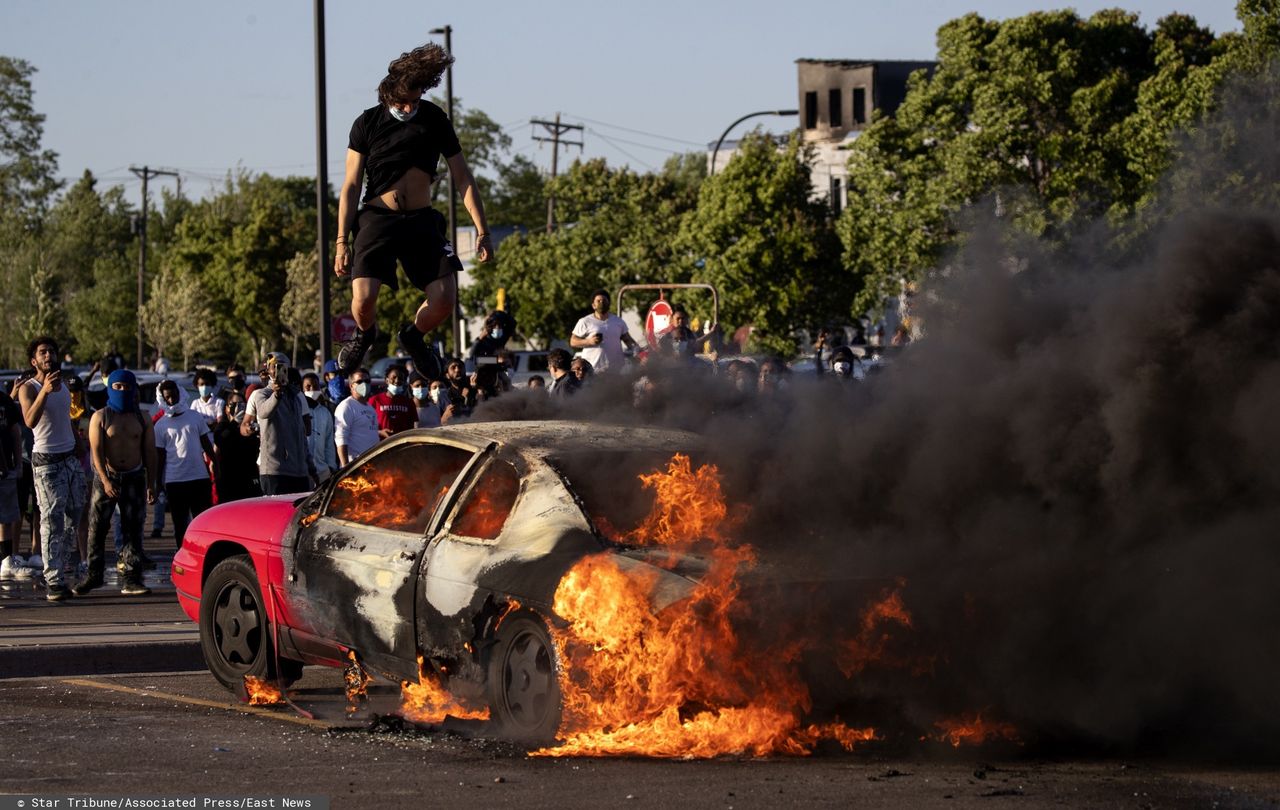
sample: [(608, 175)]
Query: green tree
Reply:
[(1036, 114), (238, 243), (28, 172), (617, 227), (176, 316), (766, 243), (518, 195), (89, 238)]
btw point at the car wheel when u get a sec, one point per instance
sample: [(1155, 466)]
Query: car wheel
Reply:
[(523, 679), (235, 636)]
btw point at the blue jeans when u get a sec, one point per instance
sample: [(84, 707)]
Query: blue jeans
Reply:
[(60, 496)]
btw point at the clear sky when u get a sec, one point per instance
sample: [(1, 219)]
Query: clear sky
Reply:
[(203, 87)]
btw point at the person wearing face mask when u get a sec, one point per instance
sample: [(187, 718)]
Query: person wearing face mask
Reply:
[(207, 403), (845, 367), (324, 452), (395, 408), (355, 420), (235, 379), (237, 472), (182, 444), (425, 399), (397, 144), (498, 328), (122, 448), (283, 419)]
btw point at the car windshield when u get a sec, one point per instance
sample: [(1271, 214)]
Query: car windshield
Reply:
[(619, 490)]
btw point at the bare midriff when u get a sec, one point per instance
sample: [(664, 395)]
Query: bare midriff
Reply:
[(411, 192)]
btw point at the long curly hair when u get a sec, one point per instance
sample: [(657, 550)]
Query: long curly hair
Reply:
[(413, 73)]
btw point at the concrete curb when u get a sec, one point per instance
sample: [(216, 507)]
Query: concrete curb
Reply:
[(58, 660)]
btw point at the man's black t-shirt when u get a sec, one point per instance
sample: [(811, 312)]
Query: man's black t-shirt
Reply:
[(10, 415), (392, 147)]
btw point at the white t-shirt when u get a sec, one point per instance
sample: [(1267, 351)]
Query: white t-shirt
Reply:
[(210, 410), (179, 437), (355, 425), (609, 353)]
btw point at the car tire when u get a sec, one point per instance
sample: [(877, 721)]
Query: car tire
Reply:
[(524, 679), (235, 635)]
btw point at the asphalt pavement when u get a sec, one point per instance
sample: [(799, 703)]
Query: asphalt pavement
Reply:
[(101, 633)]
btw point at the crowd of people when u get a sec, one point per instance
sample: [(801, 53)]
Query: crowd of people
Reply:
[(76, 472)]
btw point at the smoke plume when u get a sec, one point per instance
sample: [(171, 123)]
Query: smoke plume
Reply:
[(1077, 472)]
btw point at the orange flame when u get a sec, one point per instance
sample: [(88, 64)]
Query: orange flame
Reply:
[(261, 692), (973, 730), (873, 635), (680, 683), (379, 497), (356, 681), (427, 701)]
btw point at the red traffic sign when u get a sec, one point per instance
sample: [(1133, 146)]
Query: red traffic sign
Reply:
[(658, 322)]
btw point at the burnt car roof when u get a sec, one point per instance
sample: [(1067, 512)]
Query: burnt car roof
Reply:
[(547, 437)]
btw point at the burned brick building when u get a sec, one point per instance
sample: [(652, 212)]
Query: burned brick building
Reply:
[(837, 99)]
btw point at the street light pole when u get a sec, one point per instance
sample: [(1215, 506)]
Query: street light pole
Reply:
[(447, 31), (728, 129), (322, 184)]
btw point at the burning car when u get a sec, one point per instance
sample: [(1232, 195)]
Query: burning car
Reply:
[(438, 553)]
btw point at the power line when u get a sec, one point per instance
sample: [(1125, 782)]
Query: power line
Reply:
[(640, 132), (638, 143), (623, 151)]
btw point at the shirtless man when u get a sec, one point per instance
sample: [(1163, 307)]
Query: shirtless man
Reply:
[(122, 445), (399, 143)]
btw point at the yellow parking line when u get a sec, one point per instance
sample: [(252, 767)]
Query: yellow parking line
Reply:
[(213, 704)]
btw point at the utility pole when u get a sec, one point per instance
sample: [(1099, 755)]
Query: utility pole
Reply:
[(322, 185), (146, 173), (556, 129), (447, 30)]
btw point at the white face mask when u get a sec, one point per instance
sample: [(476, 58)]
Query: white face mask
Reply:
[(419, 393), (360, 389), (402, 116), (312, 395), (205, 391), (437, 394), (841, 368)]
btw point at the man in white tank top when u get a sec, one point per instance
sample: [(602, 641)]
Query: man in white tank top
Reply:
[(56, 471)]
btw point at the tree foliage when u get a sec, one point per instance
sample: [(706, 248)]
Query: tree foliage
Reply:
[(238, 243), (1053, 118), (28, 172), (766, 243), (617, 227), (176, 317)]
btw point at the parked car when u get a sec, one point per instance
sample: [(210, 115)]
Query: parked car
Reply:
[(446, 543)]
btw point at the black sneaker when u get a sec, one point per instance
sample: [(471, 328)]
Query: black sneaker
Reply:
[(352, 352), (58, 593), (88, 584), (134, 587), (425, 360)]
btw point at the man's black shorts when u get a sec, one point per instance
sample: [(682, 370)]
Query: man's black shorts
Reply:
[(415, 237)]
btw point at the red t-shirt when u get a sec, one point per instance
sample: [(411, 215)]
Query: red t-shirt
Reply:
[(394, 413)]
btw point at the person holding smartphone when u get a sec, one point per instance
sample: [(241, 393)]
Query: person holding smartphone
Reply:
[(55, 464)]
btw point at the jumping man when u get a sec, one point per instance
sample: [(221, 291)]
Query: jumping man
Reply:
[(398, 144)]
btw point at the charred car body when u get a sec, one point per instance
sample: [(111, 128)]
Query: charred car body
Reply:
[(439, 549)]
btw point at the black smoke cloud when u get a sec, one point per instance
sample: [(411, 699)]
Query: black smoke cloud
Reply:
[(1077, 472)]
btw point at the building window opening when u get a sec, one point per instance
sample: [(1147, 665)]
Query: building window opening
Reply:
[(859, 105), (835, 113), (811, 110)]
